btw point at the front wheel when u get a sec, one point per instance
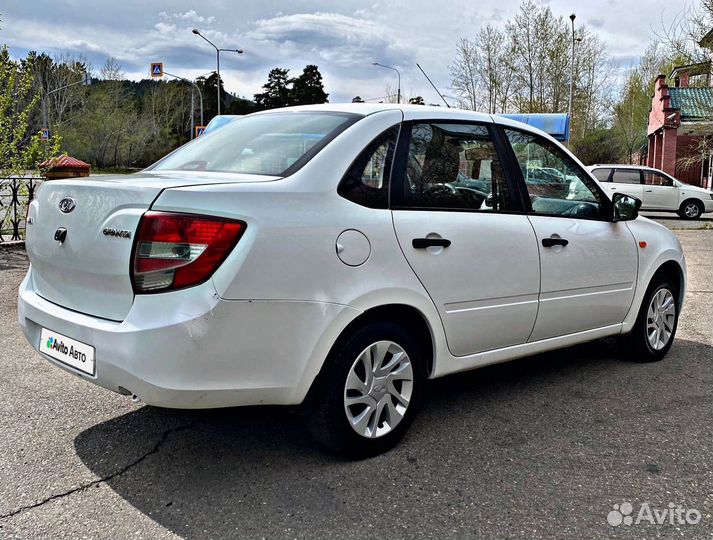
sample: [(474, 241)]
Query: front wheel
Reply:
[(656, 324), (690, 210), (370, 391)]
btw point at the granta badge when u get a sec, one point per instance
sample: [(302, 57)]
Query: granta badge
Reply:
[(117, 233)]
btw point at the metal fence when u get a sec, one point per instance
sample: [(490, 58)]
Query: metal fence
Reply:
[(15, 194)]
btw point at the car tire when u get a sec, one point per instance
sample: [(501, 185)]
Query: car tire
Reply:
[(656, 324), (356, 413), (691, 209)]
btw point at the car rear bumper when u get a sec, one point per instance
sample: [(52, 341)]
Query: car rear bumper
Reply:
[(191, 349)]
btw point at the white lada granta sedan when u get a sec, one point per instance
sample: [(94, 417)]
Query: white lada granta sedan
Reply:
[(338, 256)]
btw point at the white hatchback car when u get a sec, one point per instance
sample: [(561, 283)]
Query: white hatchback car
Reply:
[(656, 189), (338, 256)]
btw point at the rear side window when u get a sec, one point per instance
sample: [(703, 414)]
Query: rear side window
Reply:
[(601, 174), (273, 144), (454, 167), (626, 176), (367, 180)]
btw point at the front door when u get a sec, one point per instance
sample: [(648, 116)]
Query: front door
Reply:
[(588, 264), (464, 236), (659, 191)]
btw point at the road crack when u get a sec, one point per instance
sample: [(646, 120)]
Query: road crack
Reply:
[(154, 449)]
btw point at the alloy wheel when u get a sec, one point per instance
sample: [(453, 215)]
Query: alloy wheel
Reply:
[(691, 210), (660, 319), (378, 389)]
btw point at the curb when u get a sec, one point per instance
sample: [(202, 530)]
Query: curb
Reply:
[(12, 244)]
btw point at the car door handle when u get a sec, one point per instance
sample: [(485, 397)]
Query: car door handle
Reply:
[(423, 243), (549, 242), (649, 191)]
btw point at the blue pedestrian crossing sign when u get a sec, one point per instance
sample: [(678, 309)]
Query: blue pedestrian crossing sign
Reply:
[(156, 70), (200, 130), (45, 134)]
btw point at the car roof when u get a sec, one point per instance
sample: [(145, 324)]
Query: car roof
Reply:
[(413, 112), (372, 108), (621, 166)]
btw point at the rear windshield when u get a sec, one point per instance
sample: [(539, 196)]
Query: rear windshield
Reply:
[(269, 144)]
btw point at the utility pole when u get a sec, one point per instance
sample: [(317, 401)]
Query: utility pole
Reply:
[(571, 76)]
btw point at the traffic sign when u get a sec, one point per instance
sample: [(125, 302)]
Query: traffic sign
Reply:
[(156, 70), (200, 130), (45, 134)]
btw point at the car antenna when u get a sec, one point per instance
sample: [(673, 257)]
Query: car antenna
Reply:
[(434, 86)]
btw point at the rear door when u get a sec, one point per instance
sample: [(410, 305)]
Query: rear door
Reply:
[(626, 181), (588, 264), (462, 230), (659, 191)]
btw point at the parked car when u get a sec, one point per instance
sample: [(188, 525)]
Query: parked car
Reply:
[(220, 121), (656, 189), (324, 256)]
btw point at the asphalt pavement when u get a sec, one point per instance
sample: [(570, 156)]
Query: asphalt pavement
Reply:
[(542, 447)]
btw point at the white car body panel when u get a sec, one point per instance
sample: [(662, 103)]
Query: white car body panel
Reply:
[(259, 331), (474, 289), (597, 269)]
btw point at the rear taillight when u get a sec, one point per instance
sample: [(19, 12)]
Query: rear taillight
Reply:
[(173, 251)]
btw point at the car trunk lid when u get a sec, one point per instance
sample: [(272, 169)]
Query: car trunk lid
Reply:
[(87, 269)]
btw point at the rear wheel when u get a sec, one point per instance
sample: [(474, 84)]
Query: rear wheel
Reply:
[(370, 391), (690, 209), (656, 324)]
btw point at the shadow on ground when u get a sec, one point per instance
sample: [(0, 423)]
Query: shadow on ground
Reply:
[(538, 447)]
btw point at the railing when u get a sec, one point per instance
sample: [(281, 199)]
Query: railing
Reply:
[(15, 194)]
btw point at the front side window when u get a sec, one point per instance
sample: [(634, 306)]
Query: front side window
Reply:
[(653, 178), (267, 144), (367, 180), (454, 167), (626, 176), (555, 183)]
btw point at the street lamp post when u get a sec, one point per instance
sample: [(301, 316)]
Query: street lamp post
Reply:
[(571, 76), (398, 91), (200, 96), (217, 58)]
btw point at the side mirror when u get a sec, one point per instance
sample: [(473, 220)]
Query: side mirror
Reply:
[(625, 207)]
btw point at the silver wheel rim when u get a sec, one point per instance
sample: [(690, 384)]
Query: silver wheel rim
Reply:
[(378, 389), (660, 319), (691, 210)]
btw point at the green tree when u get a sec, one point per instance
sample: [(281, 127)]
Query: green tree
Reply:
[(277, 90), (210, 102), (308, 89), (598, 146), (21, 148)]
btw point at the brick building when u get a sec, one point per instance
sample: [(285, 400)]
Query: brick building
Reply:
[(681, 115)]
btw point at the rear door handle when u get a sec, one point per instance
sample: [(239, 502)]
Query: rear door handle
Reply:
[(423, 243), (549, 242)]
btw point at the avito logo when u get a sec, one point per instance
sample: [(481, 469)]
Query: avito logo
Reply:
[(59, 346)]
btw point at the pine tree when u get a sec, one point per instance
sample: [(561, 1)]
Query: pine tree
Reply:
[(277, 93), (307, 89)]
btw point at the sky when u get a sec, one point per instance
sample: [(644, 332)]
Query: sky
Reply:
[(342, 37)]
